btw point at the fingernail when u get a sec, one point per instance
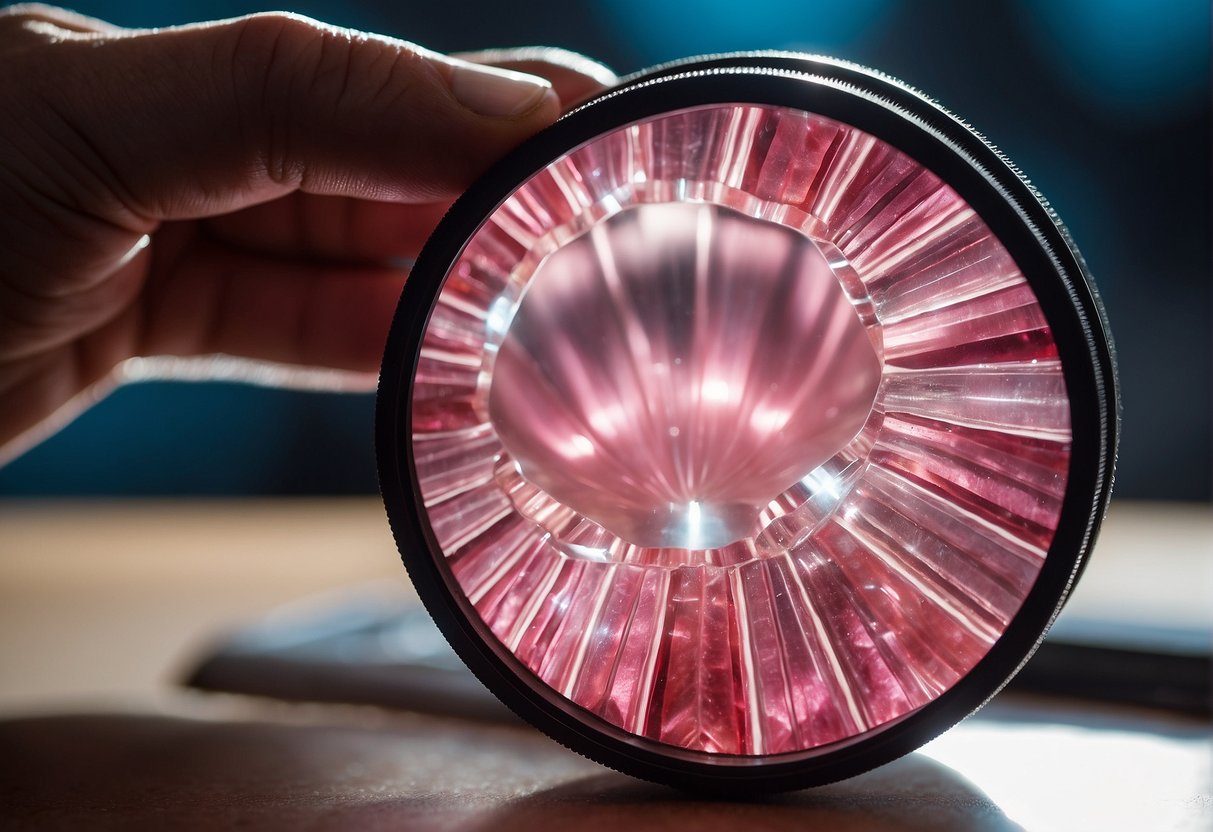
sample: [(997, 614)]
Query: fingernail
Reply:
[(490, 91)]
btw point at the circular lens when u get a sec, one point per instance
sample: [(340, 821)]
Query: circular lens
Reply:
[(734, 434)]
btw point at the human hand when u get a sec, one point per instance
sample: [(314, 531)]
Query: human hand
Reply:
[(246, 187)]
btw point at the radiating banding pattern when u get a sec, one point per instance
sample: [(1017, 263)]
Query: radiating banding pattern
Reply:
[(642, 461), (670, 373)]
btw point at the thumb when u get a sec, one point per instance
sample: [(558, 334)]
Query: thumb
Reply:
[(203, 119)]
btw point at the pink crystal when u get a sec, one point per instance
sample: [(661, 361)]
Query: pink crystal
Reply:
[(741, 430)]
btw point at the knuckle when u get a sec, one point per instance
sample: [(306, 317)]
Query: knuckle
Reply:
[(262, 34), (267, 49), (265, 55), (298, 81)]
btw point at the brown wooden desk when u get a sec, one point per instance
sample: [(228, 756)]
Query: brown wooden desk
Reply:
[(101, 603)]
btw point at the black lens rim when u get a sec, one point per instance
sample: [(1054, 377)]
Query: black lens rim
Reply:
[(1014, 211)]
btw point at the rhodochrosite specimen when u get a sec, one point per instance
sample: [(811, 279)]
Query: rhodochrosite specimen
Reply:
[(741, 430)]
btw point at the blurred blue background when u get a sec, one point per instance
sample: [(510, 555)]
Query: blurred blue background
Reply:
[(1104, 103)]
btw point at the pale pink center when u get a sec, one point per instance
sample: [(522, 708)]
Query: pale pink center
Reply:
[(672, 372)]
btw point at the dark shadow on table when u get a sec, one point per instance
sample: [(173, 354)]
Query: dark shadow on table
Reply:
[(318, 770), (911, 794)]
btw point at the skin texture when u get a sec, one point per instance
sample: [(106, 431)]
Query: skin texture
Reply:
[(247, 187)]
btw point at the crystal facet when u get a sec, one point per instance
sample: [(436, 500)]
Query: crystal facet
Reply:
[(740, 430)]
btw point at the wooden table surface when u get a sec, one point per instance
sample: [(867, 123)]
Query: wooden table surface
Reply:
[(102, 604)]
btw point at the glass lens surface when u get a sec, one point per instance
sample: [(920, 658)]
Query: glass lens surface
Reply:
[(740, 430)]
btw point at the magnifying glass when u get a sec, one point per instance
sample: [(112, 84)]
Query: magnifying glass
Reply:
[(748, 427)]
